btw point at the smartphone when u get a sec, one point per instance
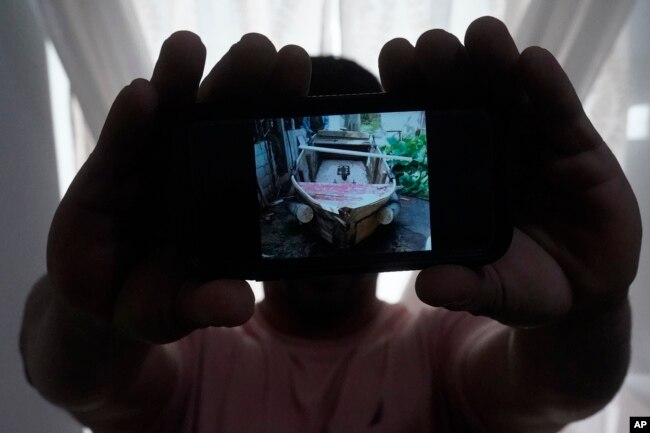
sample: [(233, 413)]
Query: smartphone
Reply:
[(337, 184)]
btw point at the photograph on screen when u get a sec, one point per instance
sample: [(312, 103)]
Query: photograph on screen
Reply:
[(343, 184)]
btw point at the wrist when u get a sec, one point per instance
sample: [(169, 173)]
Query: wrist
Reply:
[(594, 302), (583, 324), (579, 361), (70, 358), (613, 312)]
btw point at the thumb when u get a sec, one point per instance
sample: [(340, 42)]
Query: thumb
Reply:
[(159, 304), (510, 290), (215, 303)]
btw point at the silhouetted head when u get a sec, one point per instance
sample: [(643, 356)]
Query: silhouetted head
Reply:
[(332, 305), (337, 76)]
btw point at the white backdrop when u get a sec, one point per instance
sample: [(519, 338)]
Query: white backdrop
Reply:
[(103, 45)]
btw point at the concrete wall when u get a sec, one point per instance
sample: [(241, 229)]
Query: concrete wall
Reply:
[(28, 198), (263, 170)]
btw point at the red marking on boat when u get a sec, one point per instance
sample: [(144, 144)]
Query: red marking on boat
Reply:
[(345, 194)]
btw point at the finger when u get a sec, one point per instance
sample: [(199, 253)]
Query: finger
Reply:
[(442, 61), (245, 70), (291, 74), (509, 290), (80, 253), (178, 70), (398, 69), (578, 157), (130, 122), (436, 66), (215, 303), (141, 216), (158, 304), (128, 126), (493, 55), (556, 103)]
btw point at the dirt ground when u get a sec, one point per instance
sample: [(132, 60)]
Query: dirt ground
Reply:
[(283, 236)]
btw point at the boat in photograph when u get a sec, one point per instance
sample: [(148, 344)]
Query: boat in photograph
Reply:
[(344, 179)]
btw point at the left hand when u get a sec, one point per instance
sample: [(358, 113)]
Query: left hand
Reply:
[(577, 229), (111, 258)]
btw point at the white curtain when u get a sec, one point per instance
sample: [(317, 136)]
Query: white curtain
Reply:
[(580, 33), (103, 45)]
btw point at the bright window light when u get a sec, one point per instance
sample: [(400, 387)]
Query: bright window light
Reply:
[(463, 12), (638, 122), (61, 118), (391, 285), (258, 290)]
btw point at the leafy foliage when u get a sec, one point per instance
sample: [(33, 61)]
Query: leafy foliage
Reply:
[(412, 176), (370, 122)]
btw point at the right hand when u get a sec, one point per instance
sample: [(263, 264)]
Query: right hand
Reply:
[(108, 257)]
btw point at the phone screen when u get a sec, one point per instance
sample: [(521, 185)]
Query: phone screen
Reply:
[(343, 184), (338, 184)]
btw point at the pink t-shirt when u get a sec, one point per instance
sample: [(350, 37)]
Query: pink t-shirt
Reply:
[(391, 377)]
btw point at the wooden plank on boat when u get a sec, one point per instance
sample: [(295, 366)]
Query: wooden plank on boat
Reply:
[(355, 153), (349, 134), (342, 142), (365, 228)]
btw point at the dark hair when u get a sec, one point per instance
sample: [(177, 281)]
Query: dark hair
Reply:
[(336, 76)]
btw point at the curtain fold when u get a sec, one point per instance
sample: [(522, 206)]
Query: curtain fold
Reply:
[(105, 44), (101, 48), (580, 33)]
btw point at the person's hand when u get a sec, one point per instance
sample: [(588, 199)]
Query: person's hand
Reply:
[(577, 225), (108, 255)]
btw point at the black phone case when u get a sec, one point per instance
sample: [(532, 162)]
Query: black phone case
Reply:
[(217, 211)]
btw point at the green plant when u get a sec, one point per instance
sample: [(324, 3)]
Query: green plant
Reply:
[(412, 176), (370, 122)]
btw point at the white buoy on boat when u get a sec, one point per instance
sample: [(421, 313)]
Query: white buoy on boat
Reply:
[(388, 213), (303, 212)]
